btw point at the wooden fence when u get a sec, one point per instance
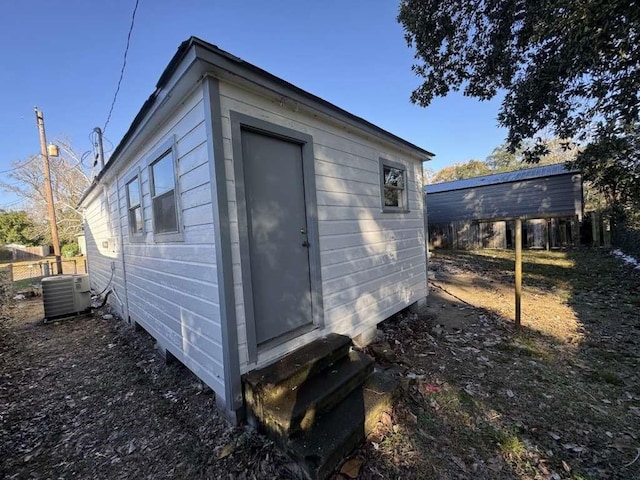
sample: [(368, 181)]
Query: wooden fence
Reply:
[(17, 253)]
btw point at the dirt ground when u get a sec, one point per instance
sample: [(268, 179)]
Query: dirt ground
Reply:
[(90, 398)]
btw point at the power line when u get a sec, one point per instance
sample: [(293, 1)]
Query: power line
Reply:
[(21, 165), (108, 141), (124, 64), (6, 205)]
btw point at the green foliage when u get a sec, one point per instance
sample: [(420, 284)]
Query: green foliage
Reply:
[(502, 160), (612, 166), (458, 171), (15, 227), (70, 250), (570, 67), (562, 63)]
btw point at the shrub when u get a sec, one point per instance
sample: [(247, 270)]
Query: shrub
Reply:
[(70, 250)]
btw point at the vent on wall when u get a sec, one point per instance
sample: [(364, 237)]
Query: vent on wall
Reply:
[(65, 295)]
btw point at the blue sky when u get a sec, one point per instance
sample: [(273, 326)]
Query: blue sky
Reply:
[(66, 59)]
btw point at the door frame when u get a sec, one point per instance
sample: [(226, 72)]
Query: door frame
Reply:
[(240, 122)]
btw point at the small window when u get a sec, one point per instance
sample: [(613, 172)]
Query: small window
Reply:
[(393, 179), (134, 205), (163, 194)]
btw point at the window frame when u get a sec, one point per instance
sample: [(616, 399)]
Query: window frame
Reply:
[(135, 177), (158, 154), (404, 196)]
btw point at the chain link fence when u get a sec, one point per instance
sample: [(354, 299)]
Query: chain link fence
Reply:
[(23, 275)]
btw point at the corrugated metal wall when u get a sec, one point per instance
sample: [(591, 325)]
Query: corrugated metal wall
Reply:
[(560, 195)]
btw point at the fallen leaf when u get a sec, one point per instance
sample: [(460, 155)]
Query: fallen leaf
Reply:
[(566, 466), (385, 418), (459, 463), (226, 451), (555, 436), (351, 468), (426, 388)]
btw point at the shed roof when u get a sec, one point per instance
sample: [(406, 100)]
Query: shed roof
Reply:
[(497, 178)]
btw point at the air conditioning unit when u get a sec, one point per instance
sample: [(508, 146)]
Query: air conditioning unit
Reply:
[(65, 296)]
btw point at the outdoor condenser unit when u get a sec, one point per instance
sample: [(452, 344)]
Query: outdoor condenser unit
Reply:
[(65, 295)]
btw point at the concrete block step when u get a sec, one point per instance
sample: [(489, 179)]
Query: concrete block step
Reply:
[(338, 432), (298, 408), (294, 369)]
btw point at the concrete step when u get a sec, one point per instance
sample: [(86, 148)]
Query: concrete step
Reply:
[(336, 433), (298, 408), (291, 371)]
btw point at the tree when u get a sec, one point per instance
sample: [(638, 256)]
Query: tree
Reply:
[(427, 174), (458, 171), (502, 160), (611, 166), (68, 180), (556, 151), (16, 227), (569, 66)]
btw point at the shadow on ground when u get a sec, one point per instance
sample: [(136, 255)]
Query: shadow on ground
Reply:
[(558, 399)]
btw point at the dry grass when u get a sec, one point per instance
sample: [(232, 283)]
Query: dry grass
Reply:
[(559, 399)]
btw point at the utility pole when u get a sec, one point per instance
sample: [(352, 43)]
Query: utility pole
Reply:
[(48, 191), (100, 147)]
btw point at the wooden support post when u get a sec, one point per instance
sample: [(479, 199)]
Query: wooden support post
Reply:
[(575, 231), (548, 234), (595, 229), (518, 269)]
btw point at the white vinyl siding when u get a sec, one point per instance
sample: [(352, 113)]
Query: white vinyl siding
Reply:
[(172, 287), (104, 249), (373, 263)]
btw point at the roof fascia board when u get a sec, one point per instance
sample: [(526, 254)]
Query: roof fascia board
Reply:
[(163, 98), (232, 68)]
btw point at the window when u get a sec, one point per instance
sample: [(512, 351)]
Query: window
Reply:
[(393, 180), (134, 206), (163, 194)]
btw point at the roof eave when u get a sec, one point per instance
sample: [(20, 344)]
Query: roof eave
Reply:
[(173, 66)]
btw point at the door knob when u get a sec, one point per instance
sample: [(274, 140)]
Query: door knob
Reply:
[(305, 244)]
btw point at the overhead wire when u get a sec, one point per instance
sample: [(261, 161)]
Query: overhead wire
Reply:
[(124, 64), (21, 165), (11, 204), (107, 150)]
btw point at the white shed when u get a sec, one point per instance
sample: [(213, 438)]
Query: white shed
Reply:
[(241, 217)]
